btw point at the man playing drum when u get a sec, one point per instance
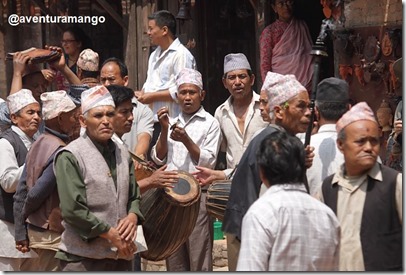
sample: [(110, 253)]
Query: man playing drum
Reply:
[(192, 138)]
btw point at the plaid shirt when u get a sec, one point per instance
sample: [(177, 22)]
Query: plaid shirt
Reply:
[(288, 230)]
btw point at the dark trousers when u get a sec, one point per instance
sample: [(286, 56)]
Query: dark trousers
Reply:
[(96, 265)]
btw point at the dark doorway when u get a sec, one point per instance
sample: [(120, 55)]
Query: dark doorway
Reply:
[(227, 26)]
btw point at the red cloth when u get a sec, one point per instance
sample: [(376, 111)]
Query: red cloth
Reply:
[(289, 52)]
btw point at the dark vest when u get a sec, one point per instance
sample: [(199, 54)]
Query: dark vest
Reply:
[(6, 199), (381, 229)]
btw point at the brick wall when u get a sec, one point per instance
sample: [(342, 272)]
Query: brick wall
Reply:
[(363, 13)]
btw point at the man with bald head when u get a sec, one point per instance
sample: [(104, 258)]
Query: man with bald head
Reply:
[(366, 197)]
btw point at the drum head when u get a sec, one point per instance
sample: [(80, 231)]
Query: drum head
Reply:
[(185, 191)]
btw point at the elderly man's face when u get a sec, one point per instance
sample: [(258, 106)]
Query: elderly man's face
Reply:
[(123, 119), (264, 106), (239, 84), (69, 122), (295, 117), (190, 98), (110, 74), (99, 123), (360, 146), (28, 119)]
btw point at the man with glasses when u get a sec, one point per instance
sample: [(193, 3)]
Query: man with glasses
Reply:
[(286, 43), (288, 102), (239, 117)]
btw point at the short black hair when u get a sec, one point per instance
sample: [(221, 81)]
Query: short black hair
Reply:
[(332, 111), (281, 157), (92, 74), (121, 65), (120, 94), (164, 18)]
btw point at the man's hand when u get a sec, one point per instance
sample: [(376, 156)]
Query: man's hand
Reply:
[(124, 249), (179, 134), (161, 178), (127, 227), (309, 156), (48, 74), (206, 176), (163, 117), (144, 98), (20, 61), (23, 246), (58, 64)]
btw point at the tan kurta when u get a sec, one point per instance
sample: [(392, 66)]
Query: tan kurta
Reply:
[(350, 204)]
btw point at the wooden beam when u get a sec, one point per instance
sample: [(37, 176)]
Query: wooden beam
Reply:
[(46, 11), (114, 15)]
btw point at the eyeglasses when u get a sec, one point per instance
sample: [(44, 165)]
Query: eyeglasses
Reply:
[(67, 41), (284, 3)]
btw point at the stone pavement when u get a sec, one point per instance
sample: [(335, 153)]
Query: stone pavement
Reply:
[(219, 259)]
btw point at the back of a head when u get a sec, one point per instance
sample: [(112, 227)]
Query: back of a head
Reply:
[(281, 157), (332, 98), (121, 65), (120, 93), (164, 18)]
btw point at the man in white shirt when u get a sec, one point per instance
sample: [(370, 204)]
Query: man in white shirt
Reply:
[(286, 229), (194, 139), (332, 101), (164, 64)]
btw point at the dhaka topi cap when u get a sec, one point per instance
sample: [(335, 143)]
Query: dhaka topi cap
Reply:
[(19, 100), (236, 61), (189, 76), (360, 111), (280, 88), (95, 97), (332, 89), (88, 60), (54, 103)]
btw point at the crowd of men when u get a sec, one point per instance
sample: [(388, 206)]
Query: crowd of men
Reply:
[(70, 200)]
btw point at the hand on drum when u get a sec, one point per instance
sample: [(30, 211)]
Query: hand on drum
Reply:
[(127, 227), (161, 178), (309, 156), (59, 63), (206, 176)]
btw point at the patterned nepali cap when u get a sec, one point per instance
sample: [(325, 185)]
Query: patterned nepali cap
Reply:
[(360, 111), (54, 103), (96, 96), (19, 100), (236, 61), (88, 60), (280, 88), (189, 76)]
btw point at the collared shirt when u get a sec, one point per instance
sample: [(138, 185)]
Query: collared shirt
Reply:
[(204, 130), (327, 158), (10, 171), (234, 142), (288, 230), (163, 67), (143, 123), (350, 205)]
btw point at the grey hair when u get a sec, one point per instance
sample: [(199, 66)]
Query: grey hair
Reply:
[(341, 135)]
